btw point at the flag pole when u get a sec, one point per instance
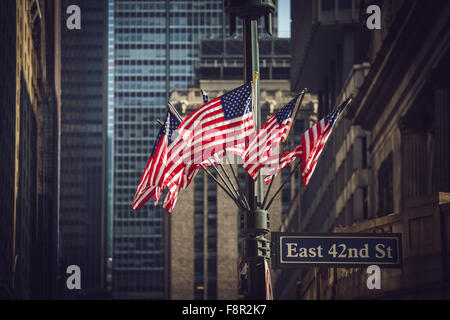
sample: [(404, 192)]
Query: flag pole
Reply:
[(254, 222), (223, 188), (241, 193), (283, 147), (226, 184), (282, 185)]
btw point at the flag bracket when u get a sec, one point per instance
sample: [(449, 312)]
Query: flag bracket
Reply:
[(255, 222)]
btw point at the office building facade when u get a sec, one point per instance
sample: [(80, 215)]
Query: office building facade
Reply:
[(155, 50), (83, 89)]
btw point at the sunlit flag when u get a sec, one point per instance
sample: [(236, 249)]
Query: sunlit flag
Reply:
[(220, 124)]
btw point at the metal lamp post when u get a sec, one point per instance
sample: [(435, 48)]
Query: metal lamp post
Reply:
[(255, 222)]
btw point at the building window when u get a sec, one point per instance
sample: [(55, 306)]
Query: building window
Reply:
[(365, 203), (199, 253), (385, 187), (364, 152)]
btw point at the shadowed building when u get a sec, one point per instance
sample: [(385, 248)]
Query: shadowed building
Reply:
[(390, 154), (82, 223), (328, 53), (29, 159)]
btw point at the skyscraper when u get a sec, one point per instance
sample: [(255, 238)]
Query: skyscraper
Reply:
[(155, 49), (83, 86)]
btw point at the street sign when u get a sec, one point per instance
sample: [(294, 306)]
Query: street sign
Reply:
[(296, 250)]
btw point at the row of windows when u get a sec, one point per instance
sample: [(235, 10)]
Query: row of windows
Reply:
[(141, 6), (137, 229), (145, 62), (79, 89), (144, 22), (141, 37), (138, 101), (82, 127), (147, 85), (159, 38), (140, 54), (158, 70)]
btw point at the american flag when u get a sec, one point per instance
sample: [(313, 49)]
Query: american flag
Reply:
[(311, 145), (152, 179), (286, 159), (179, 162), (144, 191), (219, 125), (314, 139), (262, 150)]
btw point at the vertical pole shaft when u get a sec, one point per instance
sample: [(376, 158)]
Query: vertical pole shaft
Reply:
[(249, 67), (256, 272)]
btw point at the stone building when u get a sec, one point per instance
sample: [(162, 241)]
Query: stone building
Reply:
[(401, 105), (328, 57), (83, 99)]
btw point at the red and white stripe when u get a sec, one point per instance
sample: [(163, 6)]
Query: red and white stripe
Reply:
[(313, 142), (159, 162), (208, 130), (204, 134), (174, 188), (262, 149), (268, 281), (286, 159), (143, 191)]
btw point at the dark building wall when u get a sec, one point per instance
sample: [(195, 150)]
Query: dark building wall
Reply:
[(402, 101), (27, 194), (7, 138), (329, 47), (29, 141), (82, 90), (45, 246)]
